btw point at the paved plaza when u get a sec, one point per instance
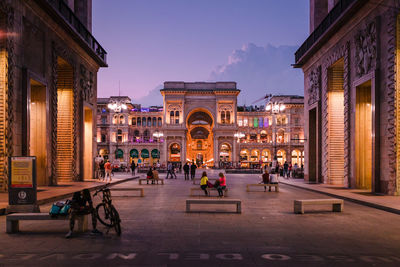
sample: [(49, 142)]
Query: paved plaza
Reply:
[(156, 231)]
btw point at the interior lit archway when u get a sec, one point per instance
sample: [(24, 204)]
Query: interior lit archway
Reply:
[(199, 138)]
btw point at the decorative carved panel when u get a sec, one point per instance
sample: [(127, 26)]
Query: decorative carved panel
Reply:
[(314, 85), (365, 42), (86, 83)]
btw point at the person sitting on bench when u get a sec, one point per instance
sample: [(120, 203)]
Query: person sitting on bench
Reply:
[(204, 182), (265, 180), (150, 176), (82, 204), (222, 184)]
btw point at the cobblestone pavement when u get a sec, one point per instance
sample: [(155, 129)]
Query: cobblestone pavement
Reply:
[(158, 232)]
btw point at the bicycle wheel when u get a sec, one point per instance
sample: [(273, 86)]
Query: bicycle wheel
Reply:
[(116, 220), (104, 215)]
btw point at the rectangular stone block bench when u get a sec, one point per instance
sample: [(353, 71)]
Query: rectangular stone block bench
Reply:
[(269, 185), (12, 220), (208, 190), (130, 189), (337, 204), (203, 202), (151, 180)]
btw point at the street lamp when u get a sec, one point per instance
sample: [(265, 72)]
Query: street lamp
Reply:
[(117, 106), (158, 135), (275, 108), (239, 135)]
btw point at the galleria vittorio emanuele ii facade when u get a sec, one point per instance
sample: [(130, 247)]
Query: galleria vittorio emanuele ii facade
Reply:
[(201, 122)]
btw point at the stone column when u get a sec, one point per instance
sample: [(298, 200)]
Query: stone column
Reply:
[(215, 144), (183, 149)]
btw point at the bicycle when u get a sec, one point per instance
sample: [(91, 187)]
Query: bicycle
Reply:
[(106, 213)]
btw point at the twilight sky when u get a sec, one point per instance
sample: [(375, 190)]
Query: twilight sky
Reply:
[(248, 41)]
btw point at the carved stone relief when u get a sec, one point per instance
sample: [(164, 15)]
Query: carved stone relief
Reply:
[(314, 85), (86, 83), (365, 41)]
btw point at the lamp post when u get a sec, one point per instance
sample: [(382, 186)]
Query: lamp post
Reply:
[(275, 108), (239, 135), (117, 106), (158, 135)]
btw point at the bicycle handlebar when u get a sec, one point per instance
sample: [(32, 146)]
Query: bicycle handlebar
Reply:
[(101, 189)]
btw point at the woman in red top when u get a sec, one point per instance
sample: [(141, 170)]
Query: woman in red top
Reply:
[(222, 184)]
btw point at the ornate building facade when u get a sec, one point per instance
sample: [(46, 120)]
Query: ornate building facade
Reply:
[(48, 87), (351, 64), (201, 122)]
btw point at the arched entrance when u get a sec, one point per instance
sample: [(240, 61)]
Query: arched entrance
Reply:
[(134, 155), (297, 157), (225, 155), (266, 156), (244, 158), (199, 138), (281, 156), (104, 153)]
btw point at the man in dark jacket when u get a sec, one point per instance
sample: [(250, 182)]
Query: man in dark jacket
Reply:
[(186, 170), (82, 204), (193, 170)]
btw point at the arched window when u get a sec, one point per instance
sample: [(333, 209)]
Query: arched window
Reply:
[(115, 119), (146, 135), (119, 135), (177, 117), (228, 117), (172, 117), (136, 133), (133, 121), (149, 122), (159, 122), (154, 121), (223, 117), (103, 138), (121, 119), (144, 122), (199, 145), (139, 121)]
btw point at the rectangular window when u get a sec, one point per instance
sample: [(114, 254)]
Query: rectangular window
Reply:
[(104, 120), (245, 122), (240, 122)]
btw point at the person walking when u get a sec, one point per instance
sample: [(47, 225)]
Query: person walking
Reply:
[(204, 183), (286, 170), (186, 170), (193, 170), (221, 185), (102, 171), (173, 171), (170, 170), (108, 169), (133, 167)]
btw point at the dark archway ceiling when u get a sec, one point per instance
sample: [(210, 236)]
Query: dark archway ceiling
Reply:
[(200, 118), (199, 133)]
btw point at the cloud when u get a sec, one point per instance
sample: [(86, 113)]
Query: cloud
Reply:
[(259, 70), (153, 98)]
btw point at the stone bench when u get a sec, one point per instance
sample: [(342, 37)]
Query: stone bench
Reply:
[(269, 185), (151, 180), (130, 189), (203, 202), (337, 204), (208, 190), (12, 220)]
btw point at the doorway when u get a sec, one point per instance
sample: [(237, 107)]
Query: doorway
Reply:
[(88, 144), (37, 129), (336, 123), (312, 146), (65, 121), (363, 136)]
